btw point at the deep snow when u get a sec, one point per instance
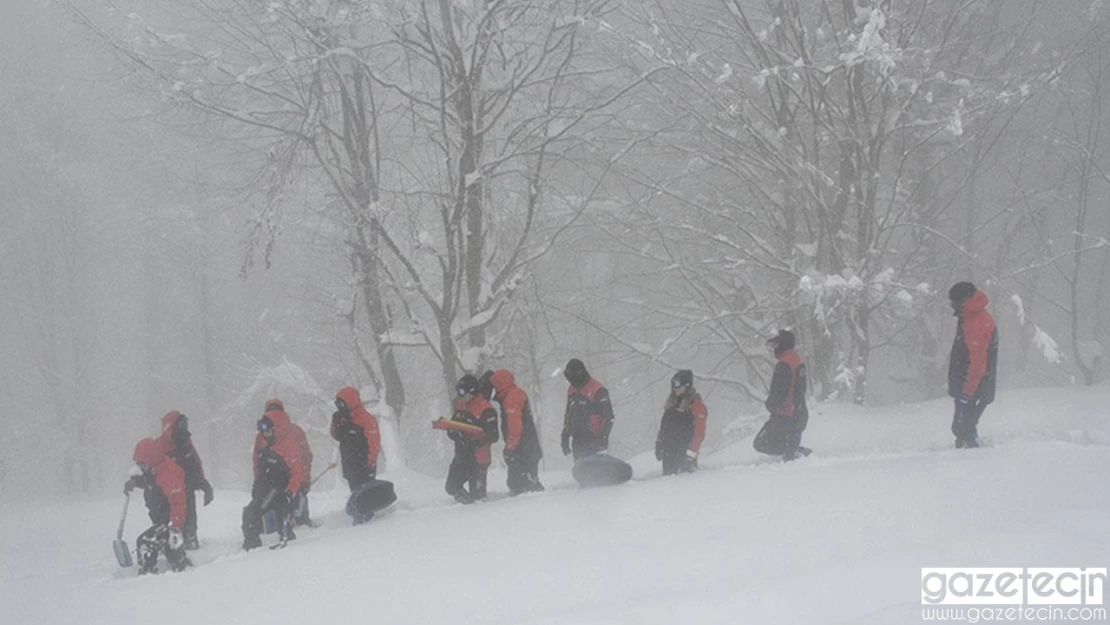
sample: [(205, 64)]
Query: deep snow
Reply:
[(837, 538)]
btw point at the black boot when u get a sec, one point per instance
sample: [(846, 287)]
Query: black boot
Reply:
[(251, 542)]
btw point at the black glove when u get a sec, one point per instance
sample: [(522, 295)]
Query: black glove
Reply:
[(128, 486), (457, 436), (340, 418), (510, 457), (206, 486), (566, 443)]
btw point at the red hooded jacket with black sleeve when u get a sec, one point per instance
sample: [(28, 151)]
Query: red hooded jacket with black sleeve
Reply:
[(163, 486), (356, 430), (973, 364), (517, 424), (279, 462), (298, 435)]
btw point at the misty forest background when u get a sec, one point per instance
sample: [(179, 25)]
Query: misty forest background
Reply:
[(208, 202)]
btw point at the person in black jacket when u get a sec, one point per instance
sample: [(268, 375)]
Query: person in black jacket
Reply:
[(973, 364), (682, 429), (782, 434), (179, 443), (588, 419), (466, 479)]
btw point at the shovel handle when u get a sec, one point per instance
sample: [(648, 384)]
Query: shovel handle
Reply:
[(123, 516)]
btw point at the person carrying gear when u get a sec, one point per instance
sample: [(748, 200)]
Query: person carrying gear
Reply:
[(466, 479), (300, 505), (359, 438), (278, 476), (682, 429), (179, 443), (163, 484), (973, 363), (522, 443), (589, 414), (782, 434)]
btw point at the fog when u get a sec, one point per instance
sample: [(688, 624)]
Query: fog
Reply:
[(206, 204)]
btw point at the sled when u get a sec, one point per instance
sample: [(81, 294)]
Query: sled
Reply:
[(447, 424), (601, 469), (123, 553), (370, 497)]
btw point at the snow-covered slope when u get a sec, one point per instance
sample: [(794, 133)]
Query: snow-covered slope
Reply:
[(836, 538)]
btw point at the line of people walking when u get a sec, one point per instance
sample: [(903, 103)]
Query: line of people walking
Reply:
[(171, 471)]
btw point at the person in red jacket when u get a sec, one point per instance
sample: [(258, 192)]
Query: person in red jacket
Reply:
[(782, 434), (300, 505), (360, 440), (466, 479), (973, 364), (682, 429), (179, 442), (278, 476), (589, 415), (522, 443), (163, 484)]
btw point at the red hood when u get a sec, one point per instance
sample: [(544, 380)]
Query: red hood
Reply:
[(150, 452), (274, 404), (169, 421), (977, 302), (502, 381), (281, 422), (350, 396)]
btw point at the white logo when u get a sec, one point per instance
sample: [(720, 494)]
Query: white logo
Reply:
[(1012, 586)]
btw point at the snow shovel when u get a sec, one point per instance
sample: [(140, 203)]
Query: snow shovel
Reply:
[(123, 554)]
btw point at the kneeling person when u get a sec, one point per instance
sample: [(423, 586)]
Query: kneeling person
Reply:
[(163, 484)]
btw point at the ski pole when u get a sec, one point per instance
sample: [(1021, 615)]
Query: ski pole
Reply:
[(322, 473)]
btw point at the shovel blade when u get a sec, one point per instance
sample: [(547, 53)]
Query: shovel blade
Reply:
[(123, 554)]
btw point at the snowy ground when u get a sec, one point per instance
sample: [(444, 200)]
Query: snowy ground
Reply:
[(834, 539)]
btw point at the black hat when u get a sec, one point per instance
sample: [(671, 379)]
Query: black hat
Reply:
[(684, 377), (468, 385), (961, 291), (485, 385), (782, 341), (575, 372)]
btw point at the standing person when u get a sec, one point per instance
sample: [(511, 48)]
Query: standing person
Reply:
[(277, 479), (782, 434), (973, 364), (589, 415), (179, 442), (163, 484), (360, 440), (300, 506), (682, 429), (522, 443), (466, 479)]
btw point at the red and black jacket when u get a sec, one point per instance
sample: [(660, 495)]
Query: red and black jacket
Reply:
[(973, 365), (477, 412), (787, 397), (360, 440), (163, 484), (589, 414), (279, 463), (517, 424), (179, 446), (683, 426), (297, 434)]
